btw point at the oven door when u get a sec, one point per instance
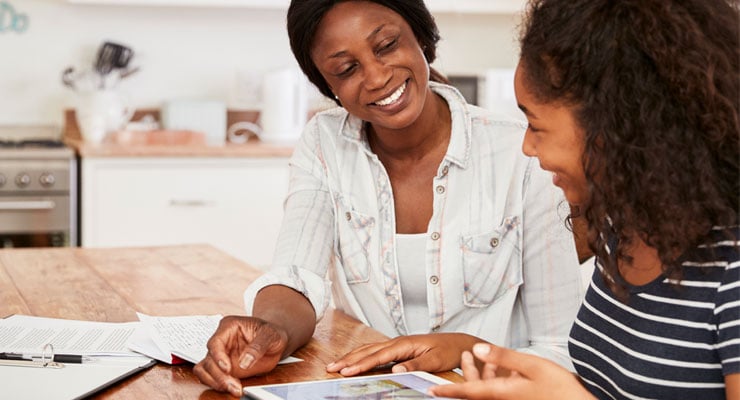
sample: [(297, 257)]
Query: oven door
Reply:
[(35, 221)]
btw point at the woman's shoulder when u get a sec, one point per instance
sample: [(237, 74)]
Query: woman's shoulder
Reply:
[(333, 116)]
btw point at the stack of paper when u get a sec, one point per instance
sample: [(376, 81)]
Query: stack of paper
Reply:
[(174, 339)]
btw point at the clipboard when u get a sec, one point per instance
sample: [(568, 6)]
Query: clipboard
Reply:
[(74, 381), (50, 380)]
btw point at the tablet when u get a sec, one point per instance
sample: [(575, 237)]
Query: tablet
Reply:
[(399, 386)]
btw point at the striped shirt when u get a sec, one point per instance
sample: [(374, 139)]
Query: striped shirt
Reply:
[(670, 340), (498, 262)]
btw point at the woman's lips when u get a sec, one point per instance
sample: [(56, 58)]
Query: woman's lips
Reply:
[(393, 98)]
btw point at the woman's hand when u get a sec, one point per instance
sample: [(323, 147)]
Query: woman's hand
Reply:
[(240, 347), (529, 378), (431, 352)]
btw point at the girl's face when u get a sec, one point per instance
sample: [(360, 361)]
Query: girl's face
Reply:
[(554, 137), (373, 63)]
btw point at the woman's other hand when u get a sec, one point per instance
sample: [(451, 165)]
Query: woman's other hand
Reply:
[(528, 378), (430, 352), (240, 347)]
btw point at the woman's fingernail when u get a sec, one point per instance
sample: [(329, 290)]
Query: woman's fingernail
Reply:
[(481, 349), (235, 390), (246, 361), (330, 365), (222, 364)]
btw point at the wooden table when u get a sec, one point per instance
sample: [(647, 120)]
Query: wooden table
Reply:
[(110, 285)]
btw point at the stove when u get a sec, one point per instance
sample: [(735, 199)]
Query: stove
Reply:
[(38, 188)]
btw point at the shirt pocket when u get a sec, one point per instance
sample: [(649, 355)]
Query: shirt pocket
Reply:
[(355, 231), (491, 263)]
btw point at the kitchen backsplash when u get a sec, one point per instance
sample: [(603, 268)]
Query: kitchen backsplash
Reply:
[(185, 52)]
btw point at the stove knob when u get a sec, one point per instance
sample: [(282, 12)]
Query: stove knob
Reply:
[(47, 179), (22, 180), (3, 180)]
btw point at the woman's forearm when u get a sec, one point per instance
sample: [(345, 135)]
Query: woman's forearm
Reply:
[(290, 311)]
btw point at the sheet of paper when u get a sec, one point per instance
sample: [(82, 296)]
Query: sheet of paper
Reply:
[(184, 336), (28, 334)]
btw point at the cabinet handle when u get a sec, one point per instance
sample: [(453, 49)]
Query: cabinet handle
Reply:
[(27, 205), (191, 203)]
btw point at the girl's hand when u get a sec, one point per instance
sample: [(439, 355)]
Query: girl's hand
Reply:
[(529, 378)]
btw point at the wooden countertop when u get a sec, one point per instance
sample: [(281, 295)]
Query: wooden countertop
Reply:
[(252, 148), (110, 285)]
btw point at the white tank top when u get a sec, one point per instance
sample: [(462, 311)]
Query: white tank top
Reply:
[(410, 254)]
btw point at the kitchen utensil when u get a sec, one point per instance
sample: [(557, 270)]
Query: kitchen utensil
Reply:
[(82, 81), (112, 55), (68, 77)]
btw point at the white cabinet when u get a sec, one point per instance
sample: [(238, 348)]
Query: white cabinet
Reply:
[(437, 6), (234, 204)]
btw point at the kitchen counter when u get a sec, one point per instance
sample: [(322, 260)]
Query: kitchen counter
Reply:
[(252, 148)]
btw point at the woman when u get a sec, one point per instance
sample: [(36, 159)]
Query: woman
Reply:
[(415, 210), (634, 107)]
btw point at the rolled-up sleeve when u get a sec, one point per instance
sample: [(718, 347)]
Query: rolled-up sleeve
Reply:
[(552, 290), (306, 241)]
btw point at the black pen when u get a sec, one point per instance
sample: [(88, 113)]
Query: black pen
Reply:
[(61, 358)]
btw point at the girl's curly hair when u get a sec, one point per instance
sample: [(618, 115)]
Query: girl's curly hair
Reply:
[(655, 86)]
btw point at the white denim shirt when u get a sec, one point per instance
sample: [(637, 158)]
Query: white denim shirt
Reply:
[(500, 263)]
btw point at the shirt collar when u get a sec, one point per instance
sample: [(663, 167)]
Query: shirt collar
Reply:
[(458, 151)]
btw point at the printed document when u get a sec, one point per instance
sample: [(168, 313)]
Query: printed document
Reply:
[(185, 337), (28, 334)]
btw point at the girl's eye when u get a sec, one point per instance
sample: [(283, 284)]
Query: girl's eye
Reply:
[(531, 128)]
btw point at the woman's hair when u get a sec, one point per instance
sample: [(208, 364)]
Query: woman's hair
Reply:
[(304, 16), (654, 86)]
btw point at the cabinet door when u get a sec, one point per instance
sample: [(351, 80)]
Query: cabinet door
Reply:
[(233, 204)]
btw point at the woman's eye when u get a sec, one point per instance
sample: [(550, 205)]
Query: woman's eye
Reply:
[(531, 128), (387, 46), (347, 71)]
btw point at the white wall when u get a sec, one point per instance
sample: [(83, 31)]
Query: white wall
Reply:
[(186, 52)]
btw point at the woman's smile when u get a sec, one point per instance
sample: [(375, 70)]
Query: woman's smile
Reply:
[(393, 98)]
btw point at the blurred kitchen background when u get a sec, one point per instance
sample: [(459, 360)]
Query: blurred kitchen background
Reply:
[(197, 48), (145, 160)]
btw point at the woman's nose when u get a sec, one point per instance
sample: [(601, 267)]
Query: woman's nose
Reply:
[(377, 75)]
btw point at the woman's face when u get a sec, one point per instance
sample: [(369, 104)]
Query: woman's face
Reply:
[(372, 61), (554, 137)]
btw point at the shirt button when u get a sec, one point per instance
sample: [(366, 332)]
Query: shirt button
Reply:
[(434, 280), (494, 242), (435, 235), (348, 215), (445, 170), (440, 189)]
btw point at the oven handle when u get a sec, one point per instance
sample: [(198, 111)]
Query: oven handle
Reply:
[(27, 205)]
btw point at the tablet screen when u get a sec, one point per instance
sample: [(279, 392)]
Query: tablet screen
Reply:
[(405, 386)]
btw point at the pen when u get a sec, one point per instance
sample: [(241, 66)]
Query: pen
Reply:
[(61, 358)]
